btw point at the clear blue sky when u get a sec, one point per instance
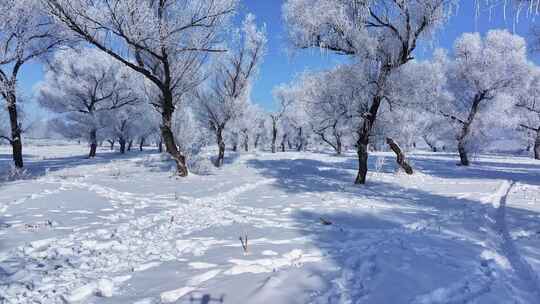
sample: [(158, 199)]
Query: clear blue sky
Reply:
[(281, 67)]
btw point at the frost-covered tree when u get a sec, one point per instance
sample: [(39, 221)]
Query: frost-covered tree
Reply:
[(284, 97), (382, 34), (484, 76), (166, 41), (84, 86), (329, 98), (226, 99), (25, 34), (528, 106)]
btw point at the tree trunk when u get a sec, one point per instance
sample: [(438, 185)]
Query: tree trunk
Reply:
[(122, 143), (160, 145), (16, 140), (111, 143), (168, 136), (400, 156), (537, 145), (464, 160), (363, 140), (93, 143), (466, 129), (246, 142), (221, 147), (283, 140), (256, 143), (300, 143), (362, 153), (130, 144), (338, 145), (431, 145), (274, 137), (141, 144)]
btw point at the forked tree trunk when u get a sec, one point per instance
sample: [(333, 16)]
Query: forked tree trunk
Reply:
[(130, 144), (400, 156), (93, 143), (221, 147), (111, 143), (537, 145), (16, 140), (168, 136)]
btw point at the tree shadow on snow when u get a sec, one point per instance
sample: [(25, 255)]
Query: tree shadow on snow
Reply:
[(405, 243), (434, 165), (37, 166)]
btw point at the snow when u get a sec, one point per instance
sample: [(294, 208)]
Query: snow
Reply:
[(121, 229)]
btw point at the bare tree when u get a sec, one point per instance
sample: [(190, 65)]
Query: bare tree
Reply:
[(228, 94), (483, 76), (528, 106), (25, 34), (166, 41), (383, 34), (85, 86)]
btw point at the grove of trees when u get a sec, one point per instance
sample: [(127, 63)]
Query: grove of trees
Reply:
[(179, 74)]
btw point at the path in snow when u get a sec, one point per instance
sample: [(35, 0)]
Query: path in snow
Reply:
[(146, 238)]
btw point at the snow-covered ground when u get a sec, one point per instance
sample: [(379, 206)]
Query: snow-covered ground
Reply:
[(120, 229)]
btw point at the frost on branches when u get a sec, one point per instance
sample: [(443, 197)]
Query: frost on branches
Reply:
[(380, 34), (25, 34), (167, 42), (86, 87)]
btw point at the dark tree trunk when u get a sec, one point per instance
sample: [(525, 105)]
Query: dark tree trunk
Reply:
[(246, 142), (168, 136), (464, 160), (283, 140), (141, 144), (221, 147), (363, 140), (466, 129), (16, 140), (160, 145), (274, 136), (362, 153), (130, 144), (400, 156), (235, 146), (338, 145), (111, 143), (93, 143), (300, 144), (122, 143), (537, 145), (256, 143), (431, 145)]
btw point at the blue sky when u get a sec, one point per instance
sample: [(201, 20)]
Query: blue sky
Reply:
[(281, 67)]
